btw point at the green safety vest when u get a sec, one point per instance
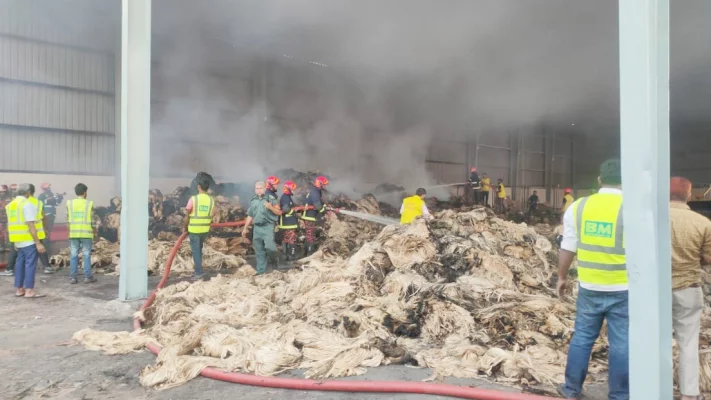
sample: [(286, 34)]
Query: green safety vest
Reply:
[(601, 247), (201, 214), (79, 214)]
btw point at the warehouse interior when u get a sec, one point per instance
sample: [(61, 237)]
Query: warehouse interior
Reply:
[(408, 93), (421, 97)]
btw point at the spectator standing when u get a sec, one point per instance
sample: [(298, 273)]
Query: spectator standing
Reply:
[(82, 232), (21, 216), (200, 210), (593, 230), (533, 202), (691, 245)]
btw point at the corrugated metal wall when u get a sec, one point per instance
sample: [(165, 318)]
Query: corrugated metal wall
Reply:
[(57, 87)]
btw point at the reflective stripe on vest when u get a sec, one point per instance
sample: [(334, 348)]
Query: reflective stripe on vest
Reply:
[(412, 208), (601, 250), (17, 228), (282, 226), (39, 226), (201, 214), (79, 214)]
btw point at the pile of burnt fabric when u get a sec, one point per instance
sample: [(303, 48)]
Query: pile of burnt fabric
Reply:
[(219, 254), (542, 215), (465, 295), (166, 212)]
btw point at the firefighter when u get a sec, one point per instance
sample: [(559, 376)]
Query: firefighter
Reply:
[(50, 201), (568, 200), (272, 184), (314, 213), (288, 223), (475, 184), (263, 212)]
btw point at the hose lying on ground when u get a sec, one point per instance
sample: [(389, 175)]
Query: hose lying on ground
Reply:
[(329, 385)]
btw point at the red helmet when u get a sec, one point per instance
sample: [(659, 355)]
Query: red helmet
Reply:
[(289, 187), (568, 190), (272, 181), (473, 169), (320, 181), (45, 186)]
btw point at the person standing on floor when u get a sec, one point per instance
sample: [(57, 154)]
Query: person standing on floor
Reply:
[(475, 184), (50, 202), (288, 222), (199, 212), (5, 199), (691, 246), (263, 212), (533, 202), (21, 215), (41, 233), (485, 189), (314, 212), (593, 230), (500, 196), (82, 232)]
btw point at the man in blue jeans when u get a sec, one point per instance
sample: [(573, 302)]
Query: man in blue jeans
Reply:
[(200, 210), (21, 217), (82, 232), (593, 230)]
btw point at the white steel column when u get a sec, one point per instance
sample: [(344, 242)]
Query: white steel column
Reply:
[(135, 146), (644, 112)]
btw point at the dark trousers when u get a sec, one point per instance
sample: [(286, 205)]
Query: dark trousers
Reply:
[(197, 241), (26, 267), (485, 198), (12, 258)]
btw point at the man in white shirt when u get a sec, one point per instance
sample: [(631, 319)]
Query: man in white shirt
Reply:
[(22, 214), (593, 231)]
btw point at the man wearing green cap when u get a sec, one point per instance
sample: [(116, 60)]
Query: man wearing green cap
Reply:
[(593, 230), (263, 212)]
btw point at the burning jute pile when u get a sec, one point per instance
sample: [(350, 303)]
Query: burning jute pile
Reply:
[(466, 295), (218, 254)]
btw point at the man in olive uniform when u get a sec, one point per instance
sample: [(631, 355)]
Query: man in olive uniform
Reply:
[(263, 212)]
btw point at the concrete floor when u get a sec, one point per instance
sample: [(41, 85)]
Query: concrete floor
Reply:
[(38, 359)]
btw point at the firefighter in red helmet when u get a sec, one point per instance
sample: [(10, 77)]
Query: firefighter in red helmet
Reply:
[(475, 185), (272, 182), (315, 210), (288, 222)]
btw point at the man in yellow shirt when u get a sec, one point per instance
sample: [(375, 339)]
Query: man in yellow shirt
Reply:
[(485, 189), (413, 207), (500, 196)]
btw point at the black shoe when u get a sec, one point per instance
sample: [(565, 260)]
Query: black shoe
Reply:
[(310, 249), (90, 279), (73, 281), (291, 255)]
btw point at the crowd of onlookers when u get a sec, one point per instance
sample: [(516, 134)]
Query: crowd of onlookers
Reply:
[(26, 225)]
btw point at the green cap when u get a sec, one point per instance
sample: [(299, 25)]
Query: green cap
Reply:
[(611, 172)]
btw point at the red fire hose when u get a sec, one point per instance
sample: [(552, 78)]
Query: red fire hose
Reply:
[(463, 392)]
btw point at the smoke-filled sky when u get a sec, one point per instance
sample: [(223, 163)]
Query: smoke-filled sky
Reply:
[(399, 75)]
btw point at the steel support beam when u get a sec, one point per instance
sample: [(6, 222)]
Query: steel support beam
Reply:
[(644, 114), (135, 142)]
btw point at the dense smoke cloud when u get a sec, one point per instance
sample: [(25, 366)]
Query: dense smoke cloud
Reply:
[(361, 89)]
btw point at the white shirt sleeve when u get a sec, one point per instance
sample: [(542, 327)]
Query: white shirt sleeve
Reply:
[(425, 211), (570, 232), (402, 209), (29, 211)]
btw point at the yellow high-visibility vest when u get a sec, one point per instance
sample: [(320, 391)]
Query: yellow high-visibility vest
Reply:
[(412, 208), (201, 214), (502, 191), (601, 247), (39, 226), (17, 228), (486, 184), (568, 202), (79, 214)]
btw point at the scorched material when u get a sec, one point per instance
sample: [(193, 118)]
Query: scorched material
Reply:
[(465, 295)]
